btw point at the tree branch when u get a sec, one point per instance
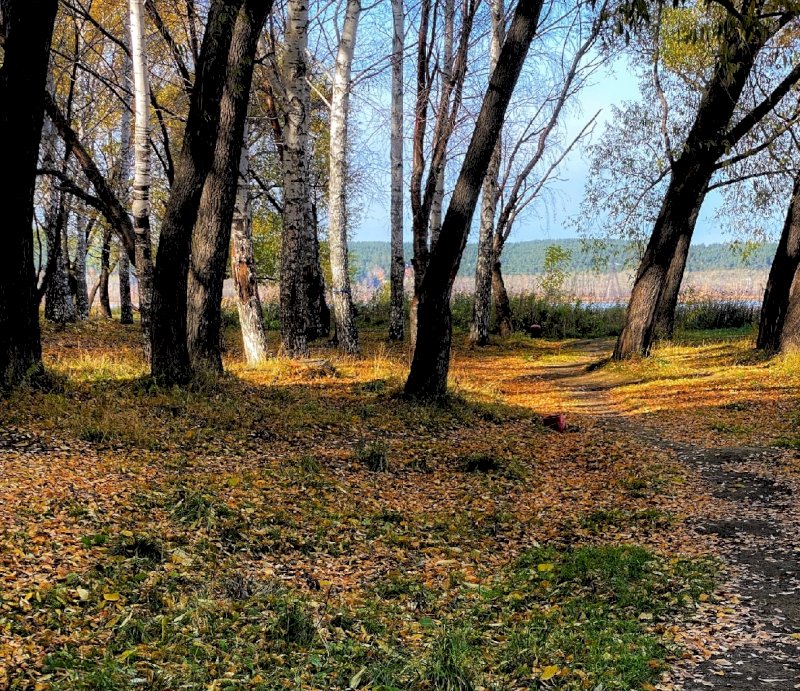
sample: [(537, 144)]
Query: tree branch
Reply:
[(112, 208), (180, 64), (741, 128)]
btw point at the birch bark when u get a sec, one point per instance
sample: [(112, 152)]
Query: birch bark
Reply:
[(294, 288), (140, 202), (337, 186), (243, 269), (79, 265), (398, 266), (126, 153), (479, 331)]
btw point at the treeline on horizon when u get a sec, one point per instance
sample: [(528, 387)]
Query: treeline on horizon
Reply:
[(525, 258)]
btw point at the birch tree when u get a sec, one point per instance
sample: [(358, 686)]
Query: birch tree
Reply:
[(243, 270), (398, 266), (140, 197), (295, 238), (342, 299), (126, 154), (479, 329)]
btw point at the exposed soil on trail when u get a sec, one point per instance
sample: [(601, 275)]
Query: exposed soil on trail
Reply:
[(753, 529)]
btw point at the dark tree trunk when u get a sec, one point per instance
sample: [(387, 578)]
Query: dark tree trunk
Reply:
[(396, 289), (124, 274), (105, 274), (775, 328), (431, 363), (144, 272), (318, 319), (684, 195), (212, 234), (502, 305), (790, 334), (93, 293), (706, 142), (665, 324), (425, 226), (79, 269), (169, 351), (23, 76), (58, 304)]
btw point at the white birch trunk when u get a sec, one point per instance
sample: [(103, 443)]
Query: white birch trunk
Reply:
[(141, 169), (126, 155), (243, 269), (295, 238), (398, 266), (479, 330), (337, 186)]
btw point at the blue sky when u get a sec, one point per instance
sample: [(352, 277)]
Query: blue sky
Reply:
[(612, 86)]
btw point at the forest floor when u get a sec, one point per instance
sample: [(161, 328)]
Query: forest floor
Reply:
[(301, 526)]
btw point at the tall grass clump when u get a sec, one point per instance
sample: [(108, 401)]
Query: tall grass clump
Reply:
[(711, 313)]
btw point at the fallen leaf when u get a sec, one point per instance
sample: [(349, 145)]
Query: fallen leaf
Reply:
[(550, 671)]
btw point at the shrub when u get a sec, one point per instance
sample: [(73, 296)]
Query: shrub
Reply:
[(716, 314)]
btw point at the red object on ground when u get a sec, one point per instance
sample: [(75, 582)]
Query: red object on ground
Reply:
[(556, 422), (535, 330)]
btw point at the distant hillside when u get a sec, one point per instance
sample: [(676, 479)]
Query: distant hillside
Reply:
[(526, 258)]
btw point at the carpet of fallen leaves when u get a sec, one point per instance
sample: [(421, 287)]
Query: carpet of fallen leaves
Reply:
[(300, 525)]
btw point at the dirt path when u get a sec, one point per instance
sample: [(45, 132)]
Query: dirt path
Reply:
[(755, 527)]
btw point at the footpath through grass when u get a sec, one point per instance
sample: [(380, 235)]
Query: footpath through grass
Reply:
[(301, 526)]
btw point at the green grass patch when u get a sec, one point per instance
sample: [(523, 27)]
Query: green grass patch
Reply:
[(590, 616), (569, 618)]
